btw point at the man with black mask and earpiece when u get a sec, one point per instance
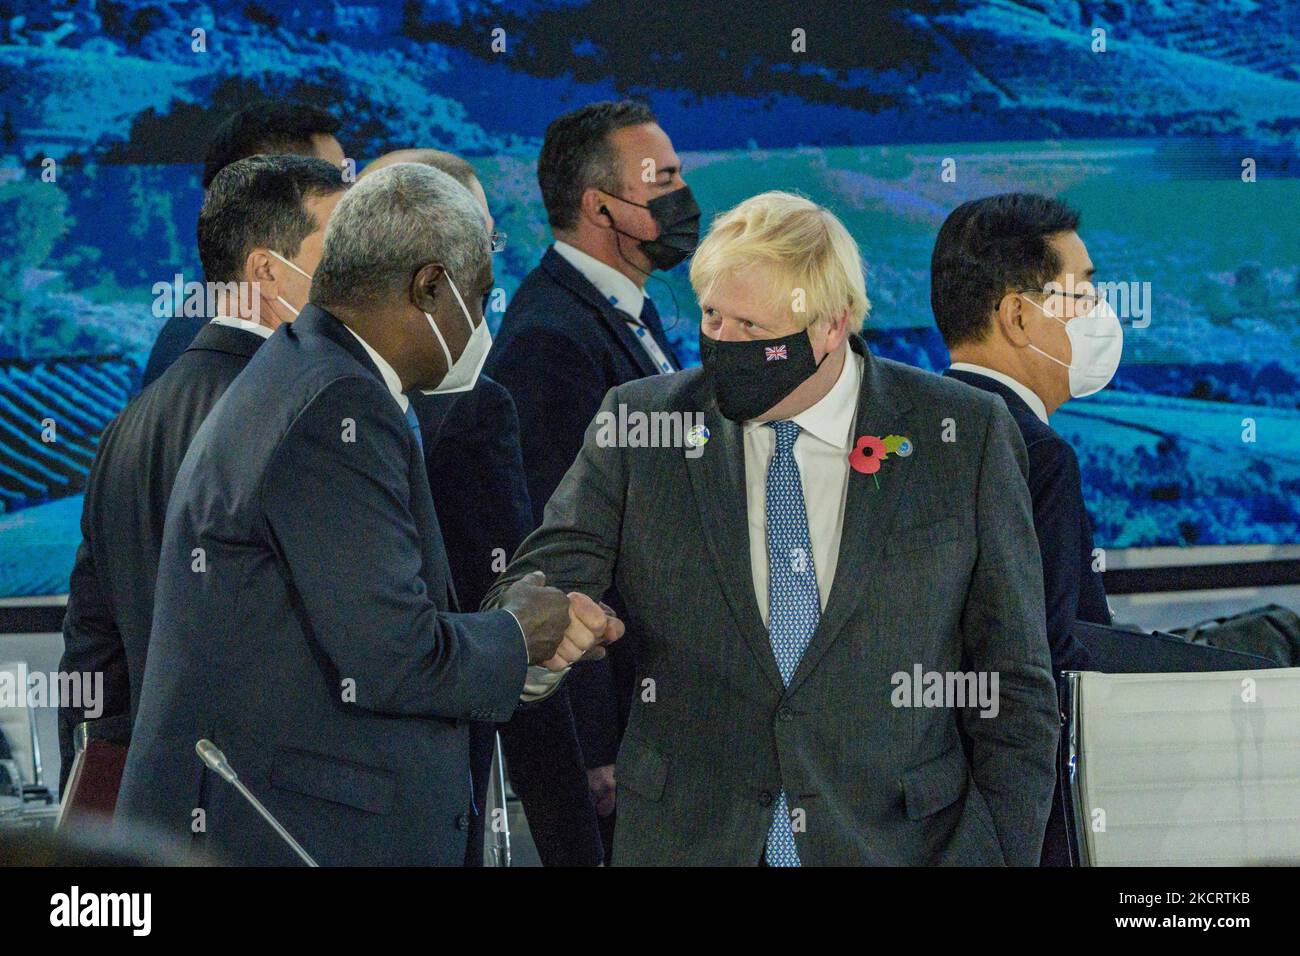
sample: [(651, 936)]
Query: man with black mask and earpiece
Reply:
[(582, 323)]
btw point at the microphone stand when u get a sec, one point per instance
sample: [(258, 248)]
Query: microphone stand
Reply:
[(216, 762)]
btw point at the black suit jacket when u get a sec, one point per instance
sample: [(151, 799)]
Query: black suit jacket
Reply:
[(173, 339), (560, 348), (302, 623), (110, 598), (476, 475), (1073, 591)]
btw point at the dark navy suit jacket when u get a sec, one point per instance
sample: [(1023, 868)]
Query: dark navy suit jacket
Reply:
[(1073, 591), (302, 623), (110, 598), (173, 339), (560, 348)]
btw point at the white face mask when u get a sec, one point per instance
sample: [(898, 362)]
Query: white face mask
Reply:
[(463, 372), (1096, 344), (295, 269)]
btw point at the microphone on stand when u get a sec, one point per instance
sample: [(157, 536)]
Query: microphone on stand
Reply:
[(500, 838), (216, 761)]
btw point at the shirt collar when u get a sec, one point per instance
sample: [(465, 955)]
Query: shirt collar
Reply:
[(1024, 391), (248, 326), (619, 291), (831, 420), (390, 376)]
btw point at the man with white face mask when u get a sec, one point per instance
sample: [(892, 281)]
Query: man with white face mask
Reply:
[(1013, 296), (336, 672), (266, 128), (259, 214)]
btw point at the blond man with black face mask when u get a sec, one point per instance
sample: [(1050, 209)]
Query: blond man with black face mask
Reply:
[(829, 558)]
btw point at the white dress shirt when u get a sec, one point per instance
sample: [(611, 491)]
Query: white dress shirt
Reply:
[(231, 322), (622, 293), (822, 453), (1024, 391), (387, 371), (539, 682)]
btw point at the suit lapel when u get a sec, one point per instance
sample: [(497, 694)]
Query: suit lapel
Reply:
[(882, 410), (563, 272), (718, 481)]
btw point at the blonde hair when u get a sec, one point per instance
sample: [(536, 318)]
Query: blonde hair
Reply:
[(800, 249)]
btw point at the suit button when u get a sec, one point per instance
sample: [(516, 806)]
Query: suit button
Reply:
[(462, 822), (785, 713), (765, 798)]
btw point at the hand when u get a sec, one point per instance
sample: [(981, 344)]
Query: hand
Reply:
[(591, 626), (542, 612), (600, 781)]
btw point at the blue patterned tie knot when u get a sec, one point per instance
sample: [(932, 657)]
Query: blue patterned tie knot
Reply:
[(786, 433)]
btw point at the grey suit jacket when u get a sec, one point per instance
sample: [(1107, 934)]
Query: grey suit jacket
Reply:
[(938, 568)]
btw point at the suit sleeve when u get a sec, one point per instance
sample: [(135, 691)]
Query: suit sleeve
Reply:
[(1004, 633), (1057, 495), (577, 544), (336, 501), (92, 643)]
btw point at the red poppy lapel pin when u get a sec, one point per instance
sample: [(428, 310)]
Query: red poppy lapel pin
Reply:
[(869, 452)]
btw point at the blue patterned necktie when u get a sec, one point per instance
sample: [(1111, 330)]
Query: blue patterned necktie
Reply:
[(793, 604)]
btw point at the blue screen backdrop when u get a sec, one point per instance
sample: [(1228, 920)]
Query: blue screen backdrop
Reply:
[(1173, 125)]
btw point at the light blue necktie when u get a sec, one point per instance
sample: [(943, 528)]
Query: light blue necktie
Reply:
[(793, 602), (414, 424)]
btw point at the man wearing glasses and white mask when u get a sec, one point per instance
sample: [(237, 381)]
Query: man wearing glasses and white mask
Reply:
[(1012, 288)]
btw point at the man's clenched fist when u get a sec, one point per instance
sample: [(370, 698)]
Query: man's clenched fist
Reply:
[(591, 627), (542, 612), (560, 630)]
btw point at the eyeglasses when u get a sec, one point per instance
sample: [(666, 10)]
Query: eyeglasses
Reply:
[(1086, 300), (498, 241)]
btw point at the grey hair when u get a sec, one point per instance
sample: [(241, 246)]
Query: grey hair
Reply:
[(391, 223)]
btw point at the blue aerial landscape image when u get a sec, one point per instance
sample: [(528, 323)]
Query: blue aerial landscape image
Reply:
[(1172, 125)]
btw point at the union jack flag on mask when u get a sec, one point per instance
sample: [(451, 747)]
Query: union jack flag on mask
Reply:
[(774, 352)]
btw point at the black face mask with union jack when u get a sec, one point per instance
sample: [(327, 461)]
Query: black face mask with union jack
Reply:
[(748, 378)]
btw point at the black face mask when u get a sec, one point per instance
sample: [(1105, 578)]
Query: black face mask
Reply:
[(750, 377), (678, 219)]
